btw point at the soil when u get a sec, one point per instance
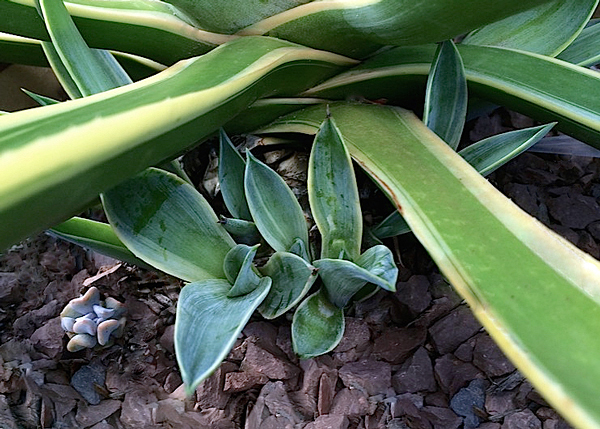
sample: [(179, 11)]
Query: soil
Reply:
[(413, 359)]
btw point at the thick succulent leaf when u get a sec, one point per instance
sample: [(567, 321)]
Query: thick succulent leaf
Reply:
[(585, 49), (60, 71), (208, 323), (168, 34), (292, 278), (23, 50), (446, 95), (42, 100), (242, 231), (491, 153), (541, 87), (96, 236), (379, 260), (485, 156), (164, 221), (317, 326), (300, 248), (359, 27), (234, 260), (343, 279), (546, 29), (333, 194), (391, 226), (63, 152), (523, 282), (275, 210), (93, 71), (246, 279), (231, 178)]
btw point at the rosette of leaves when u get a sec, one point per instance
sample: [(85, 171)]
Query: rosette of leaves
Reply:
[(168, 224)]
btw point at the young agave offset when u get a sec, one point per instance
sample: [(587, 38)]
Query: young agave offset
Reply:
[(162, 220)]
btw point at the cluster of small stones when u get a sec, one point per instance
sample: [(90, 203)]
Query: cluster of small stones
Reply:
[(89, 321)]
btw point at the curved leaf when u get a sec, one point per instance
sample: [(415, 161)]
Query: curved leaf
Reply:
[(491, 153), (546, 29), (64, 152), (96, 236), (167, 223), (292, 278), (343, 279), (242, 231), (333, 194), (246, 279), (231, 178), (275, 210), (544, 88), (585, 49), (446, 98), (317, 326), (208, 323), (92, 70)]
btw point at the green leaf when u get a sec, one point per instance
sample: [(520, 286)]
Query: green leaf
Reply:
[(485, 156), (584, 51), (242, 231), (333, 194), (391, 226), (493, 152), (208, 323), (522, 281), (164, 221), (292, 279), (96, 236), (167, 34), (64, 152), (234, 260), (40, 99), (317, 326), (343, 279), (541, 87), (60, 71), (93, 71), (231, 178), (246, 279), (546, 29), (275, 210), (446, 95)]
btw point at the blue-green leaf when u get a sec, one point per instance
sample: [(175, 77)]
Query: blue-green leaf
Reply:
[(585, 49), (92, 70), (333, 194), (275, 210), (343, 279), (491, 153), (207, 324), (246, 280), (446, 95), (242, 231), (42, 100), (164, 221), (546, 29), (231, 178), (292, 278), (317, 326), (96, 236)]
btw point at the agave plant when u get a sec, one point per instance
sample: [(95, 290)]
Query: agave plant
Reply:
[(273, 67)]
